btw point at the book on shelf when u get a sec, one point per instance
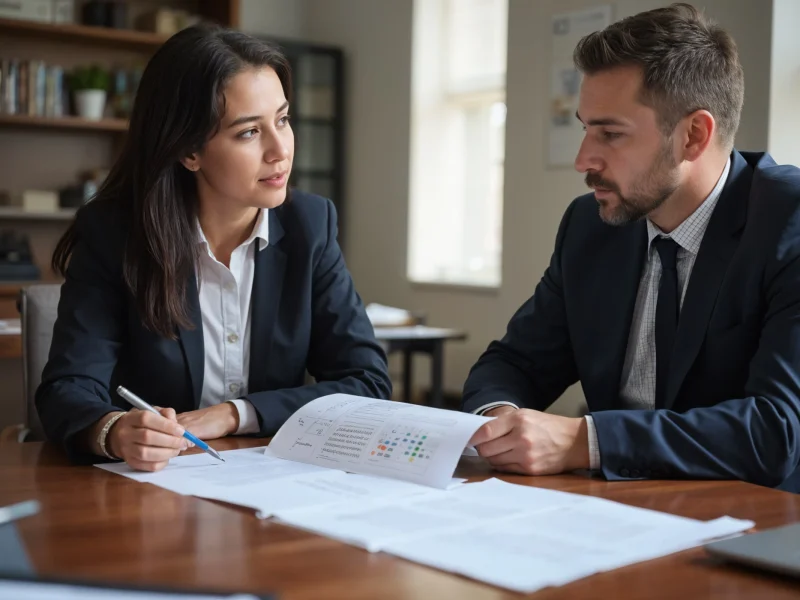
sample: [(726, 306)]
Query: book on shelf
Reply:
[(40, 11), (32, 87)]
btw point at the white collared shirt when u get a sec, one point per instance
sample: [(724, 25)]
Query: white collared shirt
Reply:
[(226, 314)]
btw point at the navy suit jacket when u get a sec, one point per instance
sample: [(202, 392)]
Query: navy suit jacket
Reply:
[(732, 409), (306, 315)]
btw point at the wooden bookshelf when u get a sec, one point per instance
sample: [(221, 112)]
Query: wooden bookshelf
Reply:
[(17, 214), (50, 153), (65, 122), (101, 36)]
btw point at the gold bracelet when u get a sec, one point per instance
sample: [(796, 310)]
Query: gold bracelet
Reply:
[(101, 439)]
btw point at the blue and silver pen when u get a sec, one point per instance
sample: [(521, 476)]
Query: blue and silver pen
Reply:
[(141, 404)]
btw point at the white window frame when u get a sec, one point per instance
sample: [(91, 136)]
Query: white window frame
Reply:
[(447, 173)]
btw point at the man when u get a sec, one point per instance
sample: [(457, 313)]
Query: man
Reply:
[(673, 293)]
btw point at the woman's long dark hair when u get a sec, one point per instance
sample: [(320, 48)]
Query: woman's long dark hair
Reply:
[(178, 107)]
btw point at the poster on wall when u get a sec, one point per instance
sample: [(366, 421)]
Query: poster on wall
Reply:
[(565, 131)]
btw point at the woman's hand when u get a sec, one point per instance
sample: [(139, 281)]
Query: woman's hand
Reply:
[(146, 441), (212, 422)]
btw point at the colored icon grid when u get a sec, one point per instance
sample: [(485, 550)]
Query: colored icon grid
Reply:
[(409, 447)]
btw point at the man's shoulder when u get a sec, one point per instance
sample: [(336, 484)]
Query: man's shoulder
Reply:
[(774, 195), (781, 180)]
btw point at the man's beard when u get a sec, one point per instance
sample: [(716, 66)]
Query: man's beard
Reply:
[(647, 193)]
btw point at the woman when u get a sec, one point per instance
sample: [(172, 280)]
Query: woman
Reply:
[(191, 278)]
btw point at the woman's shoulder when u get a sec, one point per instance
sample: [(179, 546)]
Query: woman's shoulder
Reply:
[(102, 224), (308, 212), (102, 211)]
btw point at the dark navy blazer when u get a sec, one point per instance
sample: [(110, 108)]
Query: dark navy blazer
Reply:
[(733, 401), (306, 315)]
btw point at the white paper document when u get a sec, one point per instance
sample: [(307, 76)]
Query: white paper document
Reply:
[(517, 537), (195, 473), (379, 475), (365, 523), (377, 437), (256, 479), (327, 490), (336, 450), (341, 433)]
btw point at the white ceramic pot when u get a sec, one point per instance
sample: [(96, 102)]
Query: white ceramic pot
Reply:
[(90, 104)]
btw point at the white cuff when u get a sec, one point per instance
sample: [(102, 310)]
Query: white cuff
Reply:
[(248, 417), (594, 446), (491, 405)]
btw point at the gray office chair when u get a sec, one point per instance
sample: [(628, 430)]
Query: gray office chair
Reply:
[(38, 309)]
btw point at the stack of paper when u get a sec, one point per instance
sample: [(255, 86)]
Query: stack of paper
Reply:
[(10, 326), (334, 449), (379, 474), (267, 484), (387, 316), (517, 537)]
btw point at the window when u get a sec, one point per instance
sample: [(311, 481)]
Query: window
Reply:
[(457, 141)]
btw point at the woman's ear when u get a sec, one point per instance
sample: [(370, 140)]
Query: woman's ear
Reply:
[(191, 162)]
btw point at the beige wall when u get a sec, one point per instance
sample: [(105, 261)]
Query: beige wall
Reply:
[(784, 97), (376, 36), (281, 18)]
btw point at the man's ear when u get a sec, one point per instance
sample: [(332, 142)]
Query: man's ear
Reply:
[(698, 133)]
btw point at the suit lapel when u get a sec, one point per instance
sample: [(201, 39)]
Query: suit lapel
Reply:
[(192, 341), (716, 250), (615, 310), (270, 267)]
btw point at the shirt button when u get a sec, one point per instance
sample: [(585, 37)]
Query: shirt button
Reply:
[(234, 387), (230, 286), (233, 338)]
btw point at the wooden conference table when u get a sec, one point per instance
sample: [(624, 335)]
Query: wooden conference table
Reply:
[(102, 527)]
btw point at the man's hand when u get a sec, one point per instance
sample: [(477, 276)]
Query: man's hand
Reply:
[(212, 422), (531, 442)]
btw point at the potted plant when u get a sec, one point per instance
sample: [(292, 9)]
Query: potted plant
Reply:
[(90, 86)]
